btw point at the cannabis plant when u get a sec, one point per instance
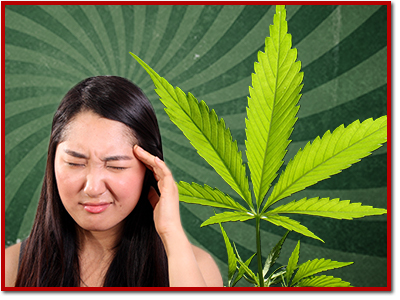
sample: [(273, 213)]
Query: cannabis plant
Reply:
[(271, 116)]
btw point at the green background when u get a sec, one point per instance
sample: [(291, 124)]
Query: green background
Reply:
[(208, 51)]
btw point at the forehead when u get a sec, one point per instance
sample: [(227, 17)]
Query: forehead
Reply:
[(89, 126)]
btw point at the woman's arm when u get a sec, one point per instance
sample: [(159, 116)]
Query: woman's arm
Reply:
[(11, 264), (208, 267), (188, 265)]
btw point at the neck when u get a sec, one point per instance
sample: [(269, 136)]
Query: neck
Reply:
[(96, 250), (98, 241)]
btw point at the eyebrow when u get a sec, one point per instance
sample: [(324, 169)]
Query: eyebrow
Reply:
[(117, 157), (75, 154), (109, 158)]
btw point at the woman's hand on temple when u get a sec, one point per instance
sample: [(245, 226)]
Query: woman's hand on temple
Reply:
[(187, 265), (166, 206)]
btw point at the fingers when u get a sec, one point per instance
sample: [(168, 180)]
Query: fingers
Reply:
[(144, 156), (152, 162), (166, 206)]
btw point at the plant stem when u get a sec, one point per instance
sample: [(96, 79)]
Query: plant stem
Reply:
[(259, 258)]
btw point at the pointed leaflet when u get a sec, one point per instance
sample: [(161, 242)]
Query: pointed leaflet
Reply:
[(275, 278), (242, 270), (323, 281), (292, 263), (272, 105), (289, 224), (310, 268), (325, 207), (274, 254), (196, 194), (228, 217), (248, 271), (205, 132), (328, 156), (231, 255)]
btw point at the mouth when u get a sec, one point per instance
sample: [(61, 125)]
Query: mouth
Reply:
[(95, 208)]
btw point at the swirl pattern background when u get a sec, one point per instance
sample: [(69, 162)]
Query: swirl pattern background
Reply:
[(208, 51)]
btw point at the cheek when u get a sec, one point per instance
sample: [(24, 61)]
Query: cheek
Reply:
[(68, 184), (128, 187)]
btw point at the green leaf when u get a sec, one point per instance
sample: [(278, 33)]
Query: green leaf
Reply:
[(271, 112), (242, 270), (316, 266), (275, 277), (289, 224), (292, 263), (249, 272), (325, 207), (228, 217), (328, 156), (274, 254), (196, 194), (205, 132), (323, 281), (231, 256)]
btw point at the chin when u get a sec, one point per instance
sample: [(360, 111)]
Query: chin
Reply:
[(99, 227)]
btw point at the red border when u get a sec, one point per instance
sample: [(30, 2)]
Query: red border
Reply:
[(197, 289), (240, 2), (389, 143), (389, 147), (3, 87)]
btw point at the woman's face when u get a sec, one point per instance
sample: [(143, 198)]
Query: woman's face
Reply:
[(99, 179)]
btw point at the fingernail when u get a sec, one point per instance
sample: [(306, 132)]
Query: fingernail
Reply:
[(139, 148)]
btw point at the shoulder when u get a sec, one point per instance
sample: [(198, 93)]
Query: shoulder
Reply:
[(208, 267), (11, 264)]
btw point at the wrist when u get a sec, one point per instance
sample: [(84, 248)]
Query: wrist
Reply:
[(175, 241)]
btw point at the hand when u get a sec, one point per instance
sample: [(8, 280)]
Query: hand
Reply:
[(166, 206), (184, 268)]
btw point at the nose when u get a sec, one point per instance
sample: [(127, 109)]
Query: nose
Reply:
[(95, 184)]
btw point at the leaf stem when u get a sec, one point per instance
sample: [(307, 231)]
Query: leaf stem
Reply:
[(259, 258)]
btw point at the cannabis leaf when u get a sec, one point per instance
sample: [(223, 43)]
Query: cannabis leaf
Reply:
[(289, 224), (195, 193), (292, 263), (271, 115), (323, 281), (248, 271), (229, 217), (325, 207), (329, 155), (274, 254), (208, 134), (241, 269), (231, 256), (304, 274), (310, 268), (276, 277), (272, 105)]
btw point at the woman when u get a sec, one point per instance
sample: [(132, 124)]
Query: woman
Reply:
[(108, 213)]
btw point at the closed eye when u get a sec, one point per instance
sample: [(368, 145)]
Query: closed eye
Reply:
[(75, 165), (117, 168)]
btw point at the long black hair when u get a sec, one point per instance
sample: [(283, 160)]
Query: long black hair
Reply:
[(50, 257)]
